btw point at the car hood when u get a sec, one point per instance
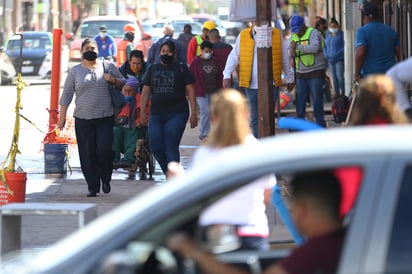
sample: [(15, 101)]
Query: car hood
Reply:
[(77, 43)]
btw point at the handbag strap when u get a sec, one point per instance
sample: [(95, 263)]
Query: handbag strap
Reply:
[(104, 67)]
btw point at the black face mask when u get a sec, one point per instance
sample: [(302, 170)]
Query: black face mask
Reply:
[(166, 58), (90, 55)]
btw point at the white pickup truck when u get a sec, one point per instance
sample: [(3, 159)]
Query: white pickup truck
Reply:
[(378, 238)]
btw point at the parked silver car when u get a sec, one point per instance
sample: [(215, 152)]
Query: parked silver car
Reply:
[(378, 237)]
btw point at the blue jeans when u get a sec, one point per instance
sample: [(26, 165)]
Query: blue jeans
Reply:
[(312, 87), (204, 119), (252, 97), (337, 70), (165, 134)]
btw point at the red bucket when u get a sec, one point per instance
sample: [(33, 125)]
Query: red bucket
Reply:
[(17, 183)]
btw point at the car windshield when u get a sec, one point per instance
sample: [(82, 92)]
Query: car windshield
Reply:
[(114, 28), (41, 42), (178, 27)]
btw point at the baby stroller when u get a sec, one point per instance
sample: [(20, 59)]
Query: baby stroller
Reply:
[(145, 161)]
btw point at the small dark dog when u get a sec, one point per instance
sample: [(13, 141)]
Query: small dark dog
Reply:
[(144, 159)]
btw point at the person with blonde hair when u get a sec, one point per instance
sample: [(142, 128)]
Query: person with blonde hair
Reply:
[(229, 115), (245, 207), (376, 104)]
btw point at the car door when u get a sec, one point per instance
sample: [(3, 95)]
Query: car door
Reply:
[(387, 247), (399, 249)]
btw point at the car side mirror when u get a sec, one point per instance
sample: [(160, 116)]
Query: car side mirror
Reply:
[(221, 238), (146, 36), (69, 35)]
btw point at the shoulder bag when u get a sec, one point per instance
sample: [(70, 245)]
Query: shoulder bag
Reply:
[(117, 97)]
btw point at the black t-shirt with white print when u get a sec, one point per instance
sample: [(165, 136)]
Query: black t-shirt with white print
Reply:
[(168, 88)]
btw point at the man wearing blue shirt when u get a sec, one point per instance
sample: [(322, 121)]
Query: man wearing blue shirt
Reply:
[(377, 45), (106, 44)]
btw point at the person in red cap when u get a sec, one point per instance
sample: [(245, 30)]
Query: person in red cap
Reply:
[(124, 48), (129, 28), (193, 49)]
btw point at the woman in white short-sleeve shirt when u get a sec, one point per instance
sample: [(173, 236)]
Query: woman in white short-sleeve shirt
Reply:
[(245, 207)]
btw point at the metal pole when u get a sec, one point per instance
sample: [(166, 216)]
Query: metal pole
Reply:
[(55, 84), (21, 52)]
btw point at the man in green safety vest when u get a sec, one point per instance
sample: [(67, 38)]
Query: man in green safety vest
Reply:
[(306, 55)]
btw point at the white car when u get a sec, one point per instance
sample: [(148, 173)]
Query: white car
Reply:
[(133, 236), (7, 71), (46, 68)]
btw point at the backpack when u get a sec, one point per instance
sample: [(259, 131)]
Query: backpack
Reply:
[(286, 101), (340, 108)]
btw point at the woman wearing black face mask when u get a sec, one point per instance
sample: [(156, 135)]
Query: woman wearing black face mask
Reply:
[(170, 87), (93, 113)]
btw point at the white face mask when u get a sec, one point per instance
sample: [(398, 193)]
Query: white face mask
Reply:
[(102, 34), (207, 55), (333, 30)]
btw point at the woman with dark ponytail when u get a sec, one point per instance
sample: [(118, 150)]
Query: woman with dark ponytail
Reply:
[(334, 52)]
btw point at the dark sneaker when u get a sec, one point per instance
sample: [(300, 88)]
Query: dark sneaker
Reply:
[(106, 187), (124, 164), (91, 194)]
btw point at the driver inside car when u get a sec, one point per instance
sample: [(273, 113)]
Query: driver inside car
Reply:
[(316, 213)]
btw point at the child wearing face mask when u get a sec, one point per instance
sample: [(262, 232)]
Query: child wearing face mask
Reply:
[(334, 54), (126, 132), (208, 79)]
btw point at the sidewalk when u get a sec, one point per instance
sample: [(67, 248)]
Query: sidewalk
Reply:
[(40, 231)]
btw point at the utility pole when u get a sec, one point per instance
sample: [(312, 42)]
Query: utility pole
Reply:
[(302, 7), (3, 23), (266, 109)]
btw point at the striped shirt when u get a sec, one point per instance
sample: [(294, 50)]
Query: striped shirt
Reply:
[(92, 91)]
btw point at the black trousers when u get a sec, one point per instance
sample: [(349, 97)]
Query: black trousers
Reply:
[(94, 141)]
